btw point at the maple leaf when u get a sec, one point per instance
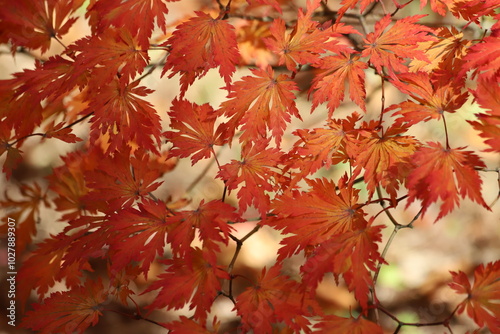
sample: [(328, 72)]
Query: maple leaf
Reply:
[(443, 173), (195, 130), (481, 303), (13, 156), (189, 326), (484, 58), (118, 110), (255, 172), (211, 220), (306, 41), (316, 215), (274, 298), (121, 179), (137, 16), (390, 48), (319, 147), (487, 95), (328, 85), (33, 23), (25, 211), (444, 53), (114, 52), (62, 132), (138, 234), (385, 158), (351, 253), (200, 44), (44, 268), (260, 102), (350, 4), (70, 311), (432, 99), (335, 324), (195, 277)]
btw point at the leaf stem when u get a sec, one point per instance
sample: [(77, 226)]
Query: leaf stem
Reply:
[(446, 133)]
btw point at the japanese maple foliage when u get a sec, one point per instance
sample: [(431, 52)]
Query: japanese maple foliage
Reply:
[(328, 185)]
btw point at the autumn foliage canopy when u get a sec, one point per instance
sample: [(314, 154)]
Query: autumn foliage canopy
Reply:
[(279, 61)]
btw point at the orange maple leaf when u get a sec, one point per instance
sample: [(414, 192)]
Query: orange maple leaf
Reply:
[(320, 147), (444, 173), (256, 171), (200, 44), (350, 4), (484, 58), (316, 215), (487, 94), (385, 158), (432, 98), (328, 85), (390, 48), (260, 102), (70, 311), (482, 301)]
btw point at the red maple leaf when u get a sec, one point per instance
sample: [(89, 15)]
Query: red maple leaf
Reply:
[(114, 52), (481, 303), (119, 112), (260, 102), (33, 23), (44, 268), (328, 85), (442, 174), (335, 324), (254, 175), (211, 220), (200, 44), (26, 213), (70, 311), (390, 48), (352, 254), (195, 130), (306, 41), (121, 179), (195, 277), (186, 325), (138, 234), (274, 298), (137, 16)]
